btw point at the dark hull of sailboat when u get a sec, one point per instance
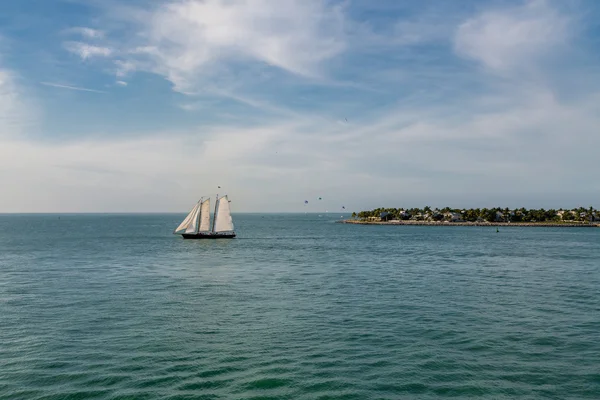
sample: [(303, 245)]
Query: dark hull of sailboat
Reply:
[(208, 235)]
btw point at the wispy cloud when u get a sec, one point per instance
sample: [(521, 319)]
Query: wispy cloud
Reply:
[(507, 38), (88, 33), (86, 51), (18, 113), (504, 156), (82, 89), (124, 68), (8, 95), (189, 106), (189, 40)]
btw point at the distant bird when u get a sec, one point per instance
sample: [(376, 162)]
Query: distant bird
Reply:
[(346, 119)]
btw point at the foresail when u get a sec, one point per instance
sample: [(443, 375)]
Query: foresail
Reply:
[(223, 221), (187, 219), (193, 226), (205, 216)]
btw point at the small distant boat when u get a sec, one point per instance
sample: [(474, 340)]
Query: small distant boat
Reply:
[(197, 223)]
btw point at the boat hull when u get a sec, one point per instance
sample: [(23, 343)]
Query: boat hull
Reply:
[(208, 235)]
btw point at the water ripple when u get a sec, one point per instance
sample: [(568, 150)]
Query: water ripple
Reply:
[(297, 308)]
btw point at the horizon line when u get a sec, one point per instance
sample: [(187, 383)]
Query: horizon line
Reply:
[(156, 212)]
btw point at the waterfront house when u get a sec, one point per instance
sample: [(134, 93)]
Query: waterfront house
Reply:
[(404, 215), (453, 217), (386, 216)]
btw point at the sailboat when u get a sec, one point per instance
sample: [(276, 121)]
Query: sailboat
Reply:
[(197, 223)]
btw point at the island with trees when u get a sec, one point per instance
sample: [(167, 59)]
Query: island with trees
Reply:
[(576, 217)]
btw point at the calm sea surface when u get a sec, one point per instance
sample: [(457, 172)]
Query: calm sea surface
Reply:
[(297, 307)]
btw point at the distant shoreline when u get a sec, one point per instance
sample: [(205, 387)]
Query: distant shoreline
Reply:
[(445, 223)]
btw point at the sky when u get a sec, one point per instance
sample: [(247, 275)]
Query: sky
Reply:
[(147, 105)]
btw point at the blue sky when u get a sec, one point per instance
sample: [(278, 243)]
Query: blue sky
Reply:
[(148, 105)]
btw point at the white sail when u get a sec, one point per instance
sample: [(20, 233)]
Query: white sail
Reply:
[(223, 221), (188, 219), (193, 226), (205, 216)]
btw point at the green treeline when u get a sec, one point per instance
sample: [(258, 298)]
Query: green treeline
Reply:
[(497, 214)]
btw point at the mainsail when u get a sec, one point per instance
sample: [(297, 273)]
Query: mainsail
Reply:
[(186, 222), (193, 226), (205, 216), (223, 221)]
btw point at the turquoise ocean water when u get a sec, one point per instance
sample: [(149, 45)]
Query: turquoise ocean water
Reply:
[(297, 307)]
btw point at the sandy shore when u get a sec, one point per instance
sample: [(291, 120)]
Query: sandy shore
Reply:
[(436, 223)]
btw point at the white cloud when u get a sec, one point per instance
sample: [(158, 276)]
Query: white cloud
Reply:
[(88, 33), (121, 83), (86, 51), (187, 40), (124, 68), (521, 154), (513, 38), (151, 172)]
